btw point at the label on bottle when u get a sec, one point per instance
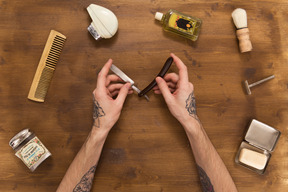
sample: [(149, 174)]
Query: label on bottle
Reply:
[(31, 152), (181, 23)]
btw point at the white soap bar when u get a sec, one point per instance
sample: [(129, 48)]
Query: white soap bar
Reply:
[(253, 158)]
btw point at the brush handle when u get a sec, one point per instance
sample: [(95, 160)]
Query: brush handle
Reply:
[(245, 44)]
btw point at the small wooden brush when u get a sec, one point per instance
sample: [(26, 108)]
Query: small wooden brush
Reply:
[(46, 66), (240, 20)]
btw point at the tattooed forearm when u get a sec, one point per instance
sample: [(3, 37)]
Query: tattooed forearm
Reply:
[(85, 183), (205, 181), (191, 106), (98, 112)]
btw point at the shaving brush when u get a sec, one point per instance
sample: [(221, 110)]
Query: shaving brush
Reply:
[(240, 20)]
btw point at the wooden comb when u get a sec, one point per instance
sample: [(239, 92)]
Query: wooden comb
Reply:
[(46, 66)]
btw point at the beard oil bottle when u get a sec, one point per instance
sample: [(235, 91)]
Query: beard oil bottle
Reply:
[(179, 23)]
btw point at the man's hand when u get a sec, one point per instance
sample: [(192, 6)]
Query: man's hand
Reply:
[(106, 109), (178, 92)]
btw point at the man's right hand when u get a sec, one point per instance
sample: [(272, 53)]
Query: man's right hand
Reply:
[(178, 93)]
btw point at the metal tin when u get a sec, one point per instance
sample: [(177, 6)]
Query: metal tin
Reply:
[(29, 149), (259, 138)]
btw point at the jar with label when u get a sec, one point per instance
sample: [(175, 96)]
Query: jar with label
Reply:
[(29, 149)]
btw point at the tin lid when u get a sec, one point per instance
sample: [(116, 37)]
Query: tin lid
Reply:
[(19, 138), (262, 135)]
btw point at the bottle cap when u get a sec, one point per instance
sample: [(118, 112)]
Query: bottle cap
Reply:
[(158, 16)]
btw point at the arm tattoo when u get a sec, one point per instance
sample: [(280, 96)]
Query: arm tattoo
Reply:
[(205, 181), (98, 112), (191, 106), (85, 183)]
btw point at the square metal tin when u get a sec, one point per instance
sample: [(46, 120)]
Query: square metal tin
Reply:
[(260, 138)]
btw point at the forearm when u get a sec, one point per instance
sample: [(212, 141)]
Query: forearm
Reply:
[(212, 171), (81, 172)]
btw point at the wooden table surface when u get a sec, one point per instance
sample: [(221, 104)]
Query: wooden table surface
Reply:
[(147, 150)]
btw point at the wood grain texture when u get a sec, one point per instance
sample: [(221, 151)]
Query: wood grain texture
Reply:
[(147, 150)]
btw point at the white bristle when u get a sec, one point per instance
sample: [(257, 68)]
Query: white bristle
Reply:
[(240, 18)]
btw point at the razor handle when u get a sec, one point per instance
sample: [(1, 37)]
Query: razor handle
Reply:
[(163, 71)]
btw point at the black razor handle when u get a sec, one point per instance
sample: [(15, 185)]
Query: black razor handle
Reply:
[(163, 71)]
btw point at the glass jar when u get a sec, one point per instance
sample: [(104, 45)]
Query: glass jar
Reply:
[(29, 149)]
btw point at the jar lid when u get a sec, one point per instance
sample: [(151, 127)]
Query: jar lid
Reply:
[(19, 138)]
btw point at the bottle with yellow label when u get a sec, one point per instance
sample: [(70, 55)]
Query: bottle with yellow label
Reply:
[(179, 23)]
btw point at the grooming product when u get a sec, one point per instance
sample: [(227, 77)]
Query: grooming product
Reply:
[(163, 71), (255, 150), (247, 86), (29, 149), (240, 20), (127, 79), (253, 158), (179, 23), (104, 22), (46, 66)]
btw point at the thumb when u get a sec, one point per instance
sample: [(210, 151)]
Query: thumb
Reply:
[(164, 89), (123, 93)]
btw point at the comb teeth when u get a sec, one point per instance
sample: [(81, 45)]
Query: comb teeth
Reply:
[(55, 51), (46, 66), (45, 79)]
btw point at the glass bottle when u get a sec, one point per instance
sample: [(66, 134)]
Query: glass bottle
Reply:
[(179, 23)]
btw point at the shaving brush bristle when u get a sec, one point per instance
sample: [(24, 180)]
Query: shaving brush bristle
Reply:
[(240, 18)]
